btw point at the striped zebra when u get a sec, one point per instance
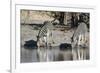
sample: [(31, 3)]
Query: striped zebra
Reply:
[(79, 41), (45, 34), (44, 40)]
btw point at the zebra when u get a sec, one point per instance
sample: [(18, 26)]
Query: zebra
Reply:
[(44, 40), (79, 40), (45, 34)]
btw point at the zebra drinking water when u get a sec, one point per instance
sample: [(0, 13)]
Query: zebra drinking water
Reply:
[(79, 41), (44, 40), (45, 34)]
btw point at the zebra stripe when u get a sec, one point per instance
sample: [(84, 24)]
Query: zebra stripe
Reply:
[(43, 31)]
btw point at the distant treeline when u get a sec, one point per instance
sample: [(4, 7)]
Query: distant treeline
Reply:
[(71, 19)]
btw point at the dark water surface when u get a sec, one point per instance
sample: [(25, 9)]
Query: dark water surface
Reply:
[(52, 54)]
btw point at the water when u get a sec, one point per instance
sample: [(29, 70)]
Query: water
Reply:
[(53, 54)]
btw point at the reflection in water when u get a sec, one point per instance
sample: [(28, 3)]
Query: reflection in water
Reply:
[(80, 53), (53, 54)]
